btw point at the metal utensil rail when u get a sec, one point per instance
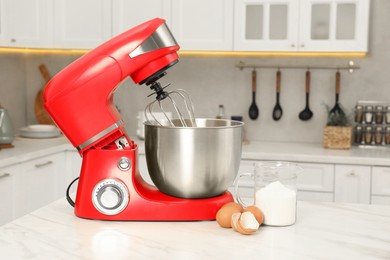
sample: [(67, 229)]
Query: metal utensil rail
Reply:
[(351, 67)]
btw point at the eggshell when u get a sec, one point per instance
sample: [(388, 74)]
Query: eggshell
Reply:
[(235, 219), (256, 212), (247, 224), (224, 214)]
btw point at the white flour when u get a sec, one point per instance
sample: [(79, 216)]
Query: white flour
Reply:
[(278, 204)]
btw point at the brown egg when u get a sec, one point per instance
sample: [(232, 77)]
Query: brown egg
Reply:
[(224, 214), (256, 212)]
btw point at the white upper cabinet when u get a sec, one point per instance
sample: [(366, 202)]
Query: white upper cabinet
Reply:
[(26, 23), (334, 25), (304, 25), (270, 25), (127, 14), (203, 25), (81, 24)]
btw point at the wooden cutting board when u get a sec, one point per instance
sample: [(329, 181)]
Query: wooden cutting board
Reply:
[(40, 112)]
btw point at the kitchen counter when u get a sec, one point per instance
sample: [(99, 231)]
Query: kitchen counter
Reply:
[(322, 231), (26, 149)]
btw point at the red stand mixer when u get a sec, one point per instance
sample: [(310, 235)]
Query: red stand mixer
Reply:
[(80, 100)]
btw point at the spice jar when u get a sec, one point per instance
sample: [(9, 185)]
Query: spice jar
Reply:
[(359, 113), (379, 114), (368, 135), (387, 135), (368, 115), (358, 134), (387, 113), (378, 135)]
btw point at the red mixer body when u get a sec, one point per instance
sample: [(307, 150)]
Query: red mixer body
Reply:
[(80, 101)]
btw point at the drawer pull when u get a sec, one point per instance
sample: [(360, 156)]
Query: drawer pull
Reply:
[(4, 175), (352, 174), (39, 165)]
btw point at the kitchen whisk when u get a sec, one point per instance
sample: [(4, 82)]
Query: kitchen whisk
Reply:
[(186, 119)]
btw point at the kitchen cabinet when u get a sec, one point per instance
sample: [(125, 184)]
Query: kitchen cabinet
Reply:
[(123, 21), (39, 182), (380, 185), (334, 25), (26, 23), (81, 24), (73, 168), (304, 26), (7, 193), (352, 183), (203, 25), (270, 25), (316, 182)]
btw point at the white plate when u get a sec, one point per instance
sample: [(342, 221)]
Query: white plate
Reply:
[(28, 133), (42, 128)]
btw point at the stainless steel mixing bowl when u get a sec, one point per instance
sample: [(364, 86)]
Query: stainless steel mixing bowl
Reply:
[(194, 162)]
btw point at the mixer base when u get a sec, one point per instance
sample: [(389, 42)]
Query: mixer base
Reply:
[(107, 192)]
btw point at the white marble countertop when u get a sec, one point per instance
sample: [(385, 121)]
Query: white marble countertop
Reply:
[(27, 149), (322, 231)]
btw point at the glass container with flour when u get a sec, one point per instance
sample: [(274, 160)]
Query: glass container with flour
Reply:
[(275, 191)]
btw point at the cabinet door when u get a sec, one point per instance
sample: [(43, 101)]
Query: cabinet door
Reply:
[(141, 11), (381, 181), (334, 25), (352, 183), (26, 23), (81, 24), (40, 182), (7, 193), (203, 25), (266, 25), (73, 168)]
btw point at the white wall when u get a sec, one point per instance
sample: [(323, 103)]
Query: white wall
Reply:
[(216, 80)]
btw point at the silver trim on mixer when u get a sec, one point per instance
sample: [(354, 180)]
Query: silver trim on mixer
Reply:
[(161, 38), (100, 135)]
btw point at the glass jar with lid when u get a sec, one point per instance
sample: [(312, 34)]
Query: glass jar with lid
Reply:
[(368, 135), (358, 113), (379, 114), (358, 134), (368, 114), (378, 136)]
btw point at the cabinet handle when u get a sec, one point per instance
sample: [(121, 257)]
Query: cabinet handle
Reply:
[(352, 174), (4, 175), (39, 165), (302, 45), (13, 40), (293, 45)]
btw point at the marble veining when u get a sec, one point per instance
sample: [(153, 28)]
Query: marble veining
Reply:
[(322, 231)]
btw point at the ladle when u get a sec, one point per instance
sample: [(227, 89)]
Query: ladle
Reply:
[(306, 114), (253, 110), (278, 111), (336, 111)]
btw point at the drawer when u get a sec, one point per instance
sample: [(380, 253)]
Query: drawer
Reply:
[(316, 177), (380, 181)]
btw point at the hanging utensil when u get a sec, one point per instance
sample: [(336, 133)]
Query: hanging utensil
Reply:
[(306, 114), (278, 111), (336, 114), (253, 109)]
